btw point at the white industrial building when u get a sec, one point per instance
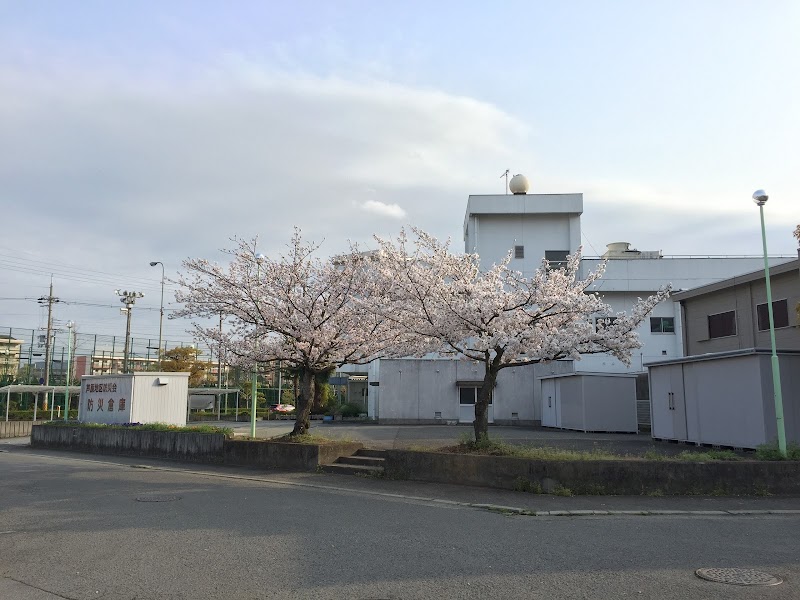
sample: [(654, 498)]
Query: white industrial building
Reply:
[(533, 227)]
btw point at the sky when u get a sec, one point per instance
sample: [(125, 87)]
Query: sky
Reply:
[(159, 130)]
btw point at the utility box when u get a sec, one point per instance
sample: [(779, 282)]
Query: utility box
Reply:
[(590, 402), (134, 398), (724, 398)]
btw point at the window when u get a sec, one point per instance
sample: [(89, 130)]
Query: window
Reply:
[(519, 251), (468, 395), (556, 258), (662, 324), (780, 312), (603, 322), (722, 324)]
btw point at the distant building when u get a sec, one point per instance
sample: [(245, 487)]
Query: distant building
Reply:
[(9, 357)]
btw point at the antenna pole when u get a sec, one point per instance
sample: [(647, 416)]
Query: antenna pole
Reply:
[(506, 176)]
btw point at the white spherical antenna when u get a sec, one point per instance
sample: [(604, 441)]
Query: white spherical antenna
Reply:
[(519, 184)]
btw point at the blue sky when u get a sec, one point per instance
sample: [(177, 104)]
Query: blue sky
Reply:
[(132, 132)]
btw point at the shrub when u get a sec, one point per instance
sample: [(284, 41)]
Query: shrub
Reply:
[(226, 431), (349, 411)]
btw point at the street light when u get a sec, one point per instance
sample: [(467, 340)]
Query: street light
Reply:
[(128, 299), (760, 197), (260, 258), (70, 325), (161, 317)]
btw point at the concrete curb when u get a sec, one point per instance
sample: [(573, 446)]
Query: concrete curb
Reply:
[(496, 508)]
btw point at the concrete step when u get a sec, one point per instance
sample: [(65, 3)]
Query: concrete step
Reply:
[(344, 469), (370, 452), (360, 460)]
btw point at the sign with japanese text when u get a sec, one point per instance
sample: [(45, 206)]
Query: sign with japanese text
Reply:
[(106, 400)]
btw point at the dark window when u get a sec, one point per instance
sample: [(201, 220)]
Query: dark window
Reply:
[(603, 322), (780, 312), (468, 395), (519, 251), (556, 258), (662, 324), (722, 324)]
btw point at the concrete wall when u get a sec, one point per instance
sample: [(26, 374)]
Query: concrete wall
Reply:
[(12, 429), (284, 455), (494, 224), (188, 446), (623, 477), (199, 447)]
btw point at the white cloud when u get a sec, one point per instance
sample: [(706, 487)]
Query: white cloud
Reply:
[(377, 207), (143, 166)]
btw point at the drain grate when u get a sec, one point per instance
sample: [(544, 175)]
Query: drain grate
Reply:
[(738, 576), (157, 498)]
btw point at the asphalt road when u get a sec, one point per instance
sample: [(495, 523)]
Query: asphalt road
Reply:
[(71, 527)]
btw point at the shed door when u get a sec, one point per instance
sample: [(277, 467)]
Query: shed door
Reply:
[(678, 403), (550, 412), (662, 423), (667, 402)]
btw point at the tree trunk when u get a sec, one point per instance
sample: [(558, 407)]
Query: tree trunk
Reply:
[(481, 423), (319, 387), (304, 401)]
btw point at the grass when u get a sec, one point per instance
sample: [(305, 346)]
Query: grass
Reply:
[(709, 455), (226, 431), (308, 438), (771, 452), (488, 447)]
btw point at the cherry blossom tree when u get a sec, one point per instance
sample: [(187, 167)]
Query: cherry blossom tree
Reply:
[(499, 317), (311, 314)]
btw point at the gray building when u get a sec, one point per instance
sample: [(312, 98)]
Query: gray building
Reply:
[(732, 314)]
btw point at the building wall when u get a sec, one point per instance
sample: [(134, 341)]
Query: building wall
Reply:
[(415, 390), (494, 224), (743, 299)]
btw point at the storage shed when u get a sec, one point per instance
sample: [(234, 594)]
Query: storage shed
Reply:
[(590, 402), (134, 398), (724, 398)]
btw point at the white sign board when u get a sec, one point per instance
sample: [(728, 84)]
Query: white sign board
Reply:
[(106, 400)]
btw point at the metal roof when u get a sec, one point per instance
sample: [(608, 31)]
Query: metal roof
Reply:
[(774, 270)]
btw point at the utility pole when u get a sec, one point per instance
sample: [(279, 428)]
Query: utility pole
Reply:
[(128, 299), (49, 300)]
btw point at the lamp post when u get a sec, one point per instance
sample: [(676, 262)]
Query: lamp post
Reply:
[(128, 299), (70, 325), (161, 316), (259, 259), (760, 197)]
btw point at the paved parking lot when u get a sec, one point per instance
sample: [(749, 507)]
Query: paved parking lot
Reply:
[(404, 436)]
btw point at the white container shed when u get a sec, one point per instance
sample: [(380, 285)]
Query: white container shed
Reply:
[(724, 398), (590, 402), (134, 398)]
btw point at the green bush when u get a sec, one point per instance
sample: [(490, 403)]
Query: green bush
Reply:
[(41, 415), (349, 411), (226, 431)]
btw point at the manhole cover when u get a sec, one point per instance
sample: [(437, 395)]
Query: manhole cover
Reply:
[(738, 576), (157, 498)]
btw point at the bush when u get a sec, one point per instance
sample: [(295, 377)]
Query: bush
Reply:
[(226, 431), (349, 411), (41, 415)]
